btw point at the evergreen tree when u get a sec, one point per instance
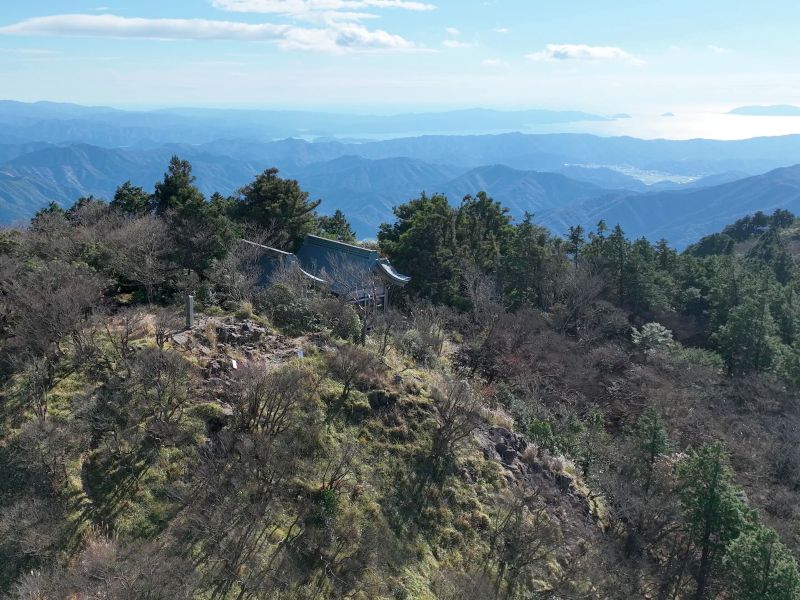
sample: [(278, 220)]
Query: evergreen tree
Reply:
[(645, 285), (201, 230), (651, 441), (53, 208), (177, 190), (759, 567), (712, 245), (714, 510), (131, 199), (575, 242), (483, 230), (421, 244), (771, 250), (336, 227), (531, 266), (748, 339), (279, 207)]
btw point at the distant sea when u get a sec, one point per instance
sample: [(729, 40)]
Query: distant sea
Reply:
[(680, 126), (683, 126)]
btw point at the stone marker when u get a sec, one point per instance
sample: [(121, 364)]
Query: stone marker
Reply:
[(189, 311)]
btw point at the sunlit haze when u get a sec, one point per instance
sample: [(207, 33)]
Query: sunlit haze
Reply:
[(384, 56)]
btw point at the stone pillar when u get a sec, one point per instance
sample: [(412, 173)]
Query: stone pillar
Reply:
[(189, 311)]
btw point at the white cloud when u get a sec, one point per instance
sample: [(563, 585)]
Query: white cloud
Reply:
[(30, 51), (501, 30), (717, 49), (164, 29), (320, 10), (557, 52), (452, 31), (348, 37), (456, 44), (334, 38)]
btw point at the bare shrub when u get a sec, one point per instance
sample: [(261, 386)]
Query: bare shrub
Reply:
[(351, 365), (522, 538), (43, 449), (50, 301), (121, 331), (459, 416), (31, 531), (237, 275), (37, 377), (340, 317), (579, 289), (268, 401), (164, 382), (609, 358), (165, 323), (141, 252)]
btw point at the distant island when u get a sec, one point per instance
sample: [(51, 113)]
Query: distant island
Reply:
[(776, 110)]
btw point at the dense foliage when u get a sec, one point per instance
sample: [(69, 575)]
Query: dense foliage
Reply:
[(546, 417)]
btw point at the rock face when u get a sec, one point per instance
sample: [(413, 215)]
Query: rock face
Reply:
[(237, 334), (507, 445), (556, 487)]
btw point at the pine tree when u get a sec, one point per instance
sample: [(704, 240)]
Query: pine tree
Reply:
[(336, 227), (131, 199), (279, 207), (714, 510), (748, 340), (759, 567)]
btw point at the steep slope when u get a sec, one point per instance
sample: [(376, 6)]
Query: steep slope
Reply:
[(366, 190), (604, 177), (62, 174), (684, 216), (521, 191), (13, 150)]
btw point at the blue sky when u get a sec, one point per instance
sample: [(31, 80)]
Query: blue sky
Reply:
[(638, 57)]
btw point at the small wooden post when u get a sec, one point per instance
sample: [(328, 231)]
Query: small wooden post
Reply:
[(189, 311)]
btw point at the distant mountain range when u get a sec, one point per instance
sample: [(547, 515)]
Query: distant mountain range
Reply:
[(777, 110), (684, 216), (29, 181), (676, 189), (109, 127)]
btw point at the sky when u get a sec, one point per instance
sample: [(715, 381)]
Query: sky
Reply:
[(695, 59)]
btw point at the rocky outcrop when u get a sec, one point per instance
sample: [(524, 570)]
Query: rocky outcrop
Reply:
[(240, 333), (525, 465)]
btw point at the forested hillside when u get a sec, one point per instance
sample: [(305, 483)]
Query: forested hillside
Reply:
[(678, 189), (595, 417)]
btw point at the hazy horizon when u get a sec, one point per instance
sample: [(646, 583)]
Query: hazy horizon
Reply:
[(687, 125), (390, 56)]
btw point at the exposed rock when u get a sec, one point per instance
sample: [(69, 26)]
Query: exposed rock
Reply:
[(556, 488), (244, 332)]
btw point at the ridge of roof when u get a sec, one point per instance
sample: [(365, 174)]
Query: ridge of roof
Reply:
[(269, 248), (341, 246)]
